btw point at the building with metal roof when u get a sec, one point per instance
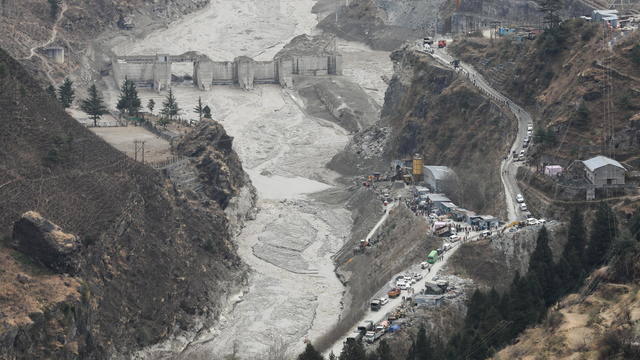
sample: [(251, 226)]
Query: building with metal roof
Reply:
[(437, 176), (601, 170)]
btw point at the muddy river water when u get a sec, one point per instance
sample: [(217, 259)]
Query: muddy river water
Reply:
[(293, 292)]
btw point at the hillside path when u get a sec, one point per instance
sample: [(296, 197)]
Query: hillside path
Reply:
[(509, 165)]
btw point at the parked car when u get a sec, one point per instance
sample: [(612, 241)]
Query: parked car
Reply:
[(532, 221), (520, 198), (454, 238), (523, 207), (542, 221), (424, 265), (417, 276), (384, 301), (446, 246)]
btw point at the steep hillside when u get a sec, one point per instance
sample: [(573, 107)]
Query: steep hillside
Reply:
[(581, 90), (433, 111), (150, 261), (33, 25)]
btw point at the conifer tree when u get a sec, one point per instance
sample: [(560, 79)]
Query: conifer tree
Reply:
[(93, 105), (384, 351), (634, 225), (422, 345), (66, 93), (551, 10), (206, 112), (51, 91), (129, 100), (150, 105), (541, 267), (332, 356), (310, 353), (199, 109), (572, 263), (353, 350), (603, 232), (170, 107)]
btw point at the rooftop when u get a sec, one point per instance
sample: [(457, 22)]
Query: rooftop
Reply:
[(600, 161), (438, 198), (439, 172)]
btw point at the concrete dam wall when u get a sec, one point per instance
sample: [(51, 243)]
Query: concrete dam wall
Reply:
[(154, 71)]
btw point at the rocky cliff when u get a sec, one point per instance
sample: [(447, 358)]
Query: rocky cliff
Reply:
[(34, 25), (433, 111), (148, 260)]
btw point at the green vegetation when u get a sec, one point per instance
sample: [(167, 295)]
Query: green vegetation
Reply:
[(54, 7), (150, 105), (129, 100), (66, 94), (551, 10), (545, 137), (206, 112), (581, 116), (352, 350), (310, 353), (51, 91), (93, 105), (602, 236), (635, 54), (199, 109), (3, 71), (170, 107)]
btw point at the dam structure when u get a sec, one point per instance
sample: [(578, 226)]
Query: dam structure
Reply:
[(154, 71)]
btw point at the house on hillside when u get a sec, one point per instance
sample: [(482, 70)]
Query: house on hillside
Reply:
[(601, 170), (609, 16), (437, 176)]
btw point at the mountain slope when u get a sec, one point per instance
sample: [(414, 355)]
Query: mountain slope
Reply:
[(151, 260)]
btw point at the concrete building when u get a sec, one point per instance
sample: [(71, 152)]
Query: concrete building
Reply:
[(55, 53), (610, 16), (155, 70), (437, 199), (601, 170), (428, 300), (437, 177)]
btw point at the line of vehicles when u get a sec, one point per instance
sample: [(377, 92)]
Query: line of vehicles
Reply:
[(525, 144)]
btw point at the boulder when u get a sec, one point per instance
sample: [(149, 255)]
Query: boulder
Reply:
[(46, 243)]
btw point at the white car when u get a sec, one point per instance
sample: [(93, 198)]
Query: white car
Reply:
[(404, 286), (417, 276), (520, 198), (424, 265), (454, 238), (542, 221), (523, 207), (530, 127), (384, 301), (446, 246), (532, 221)]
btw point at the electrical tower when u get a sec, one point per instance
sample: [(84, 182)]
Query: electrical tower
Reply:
[(138, 146)]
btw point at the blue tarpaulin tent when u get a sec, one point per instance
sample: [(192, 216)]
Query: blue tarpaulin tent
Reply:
[(394, 328)]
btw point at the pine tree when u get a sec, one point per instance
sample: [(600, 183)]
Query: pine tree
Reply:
[(66, 93), (54, 6), (199, 109), (353, 350), (150, 105), (551, 10), (206, 112), (541, 267), (422, 345), (603, 232), (332, 356), (129, 100), (384, 351), (573, 255), (170, 107), (51, 91), (634, 225), (93, 105), (310, 353)]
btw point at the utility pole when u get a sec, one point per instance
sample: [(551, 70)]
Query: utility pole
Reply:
[(138, 147)]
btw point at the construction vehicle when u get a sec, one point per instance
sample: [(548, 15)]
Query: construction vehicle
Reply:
[(442, 43), (394, 293)]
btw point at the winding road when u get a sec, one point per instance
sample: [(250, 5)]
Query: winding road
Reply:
[(54, 33), (509, 165)]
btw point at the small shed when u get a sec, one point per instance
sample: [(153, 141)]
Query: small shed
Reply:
[(601, 170), (553, 170), (447, 207), (436, 199)]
